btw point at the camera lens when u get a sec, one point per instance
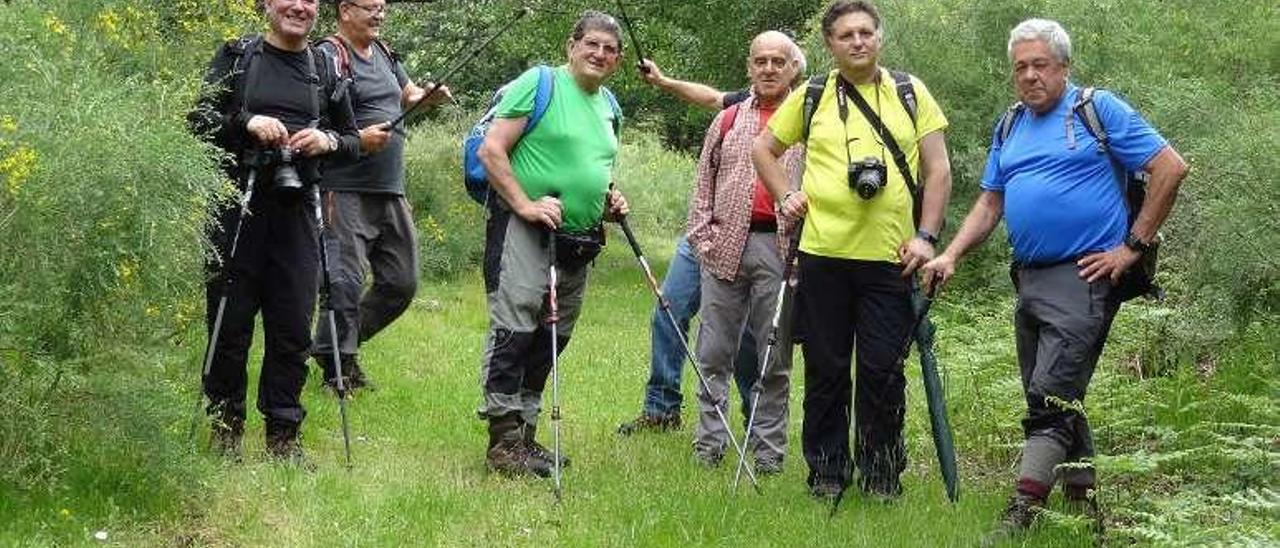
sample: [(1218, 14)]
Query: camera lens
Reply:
[(869, 183), (286, 178)]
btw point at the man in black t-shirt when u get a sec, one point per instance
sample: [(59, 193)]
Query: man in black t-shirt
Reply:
[(267, 101), (365, 205)]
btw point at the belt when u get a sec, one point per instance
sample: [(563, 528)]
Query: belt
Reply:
[(763, 226)]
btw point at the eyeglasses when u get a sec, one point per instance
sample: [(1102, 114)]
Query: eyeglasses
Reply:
[(377, 10), (609, 50)]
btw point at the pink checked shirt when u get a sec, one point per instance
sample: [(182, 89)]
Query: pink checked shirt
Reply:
[(720, 212)]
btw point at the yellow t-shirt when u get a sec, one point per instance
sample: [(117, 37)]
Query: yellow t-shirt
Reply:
[(841, 224)]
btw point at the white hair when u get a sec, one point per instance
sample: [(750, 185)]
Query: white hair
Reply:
[(1044, 30)]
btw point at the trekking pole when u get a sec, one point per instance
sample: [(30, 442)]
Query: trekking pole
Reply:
[(465, 60), (222, 300), (554, 319), (622, 12), (326, 304), (666, 308), (785, 289)]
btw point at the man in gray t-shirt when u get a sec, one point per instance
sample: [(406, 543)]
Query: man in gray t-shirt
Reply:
[(364, 202)]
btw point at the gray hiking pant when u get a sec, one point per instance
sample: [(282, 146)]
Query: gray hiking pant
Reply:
[(517, 352), (749, 300), (1061, 323), (372, 229)]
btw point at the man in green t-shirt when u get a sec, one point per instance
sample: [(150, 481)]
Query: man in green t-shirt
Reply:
[(859, 247), (551, 193)]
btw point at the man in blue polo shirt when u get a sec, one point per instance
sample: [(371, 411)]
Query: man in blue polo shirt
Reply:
[(1068, 226)]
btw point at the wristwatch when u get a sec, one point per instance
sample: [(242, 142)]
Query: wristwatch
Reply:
[(1133, 242), (927, 236)]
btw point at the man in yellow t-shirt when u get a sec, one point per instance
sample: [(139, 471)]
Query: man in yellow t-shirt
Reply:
[(862, 240)]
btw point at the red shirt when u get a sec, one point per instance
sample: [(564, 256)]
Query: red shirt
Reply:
[(761, 201)]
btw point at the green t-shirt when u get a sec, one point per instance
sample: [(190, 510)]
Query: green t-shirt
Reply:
[(570, 152), (839, 223)]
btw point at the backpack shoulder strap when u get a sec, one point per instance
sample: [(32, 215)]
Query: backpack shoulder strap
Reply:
[(616, 108), (906, 93), (541, 97), (392, 54), (341, 57), (812, 96), (1088, 112), (246, 48), (1005, 125), (726, 121)]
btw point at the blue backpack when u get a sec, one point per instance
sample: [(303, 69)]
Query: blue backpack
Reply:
[(474, 176)]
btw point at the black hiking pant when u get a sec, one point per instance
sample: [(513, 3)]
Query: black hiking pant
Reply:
[(275, 271), (847, 306)]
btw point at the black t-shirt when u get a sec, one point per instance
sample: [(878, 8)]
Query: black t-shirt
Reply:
[(377, 85), (281, 88)]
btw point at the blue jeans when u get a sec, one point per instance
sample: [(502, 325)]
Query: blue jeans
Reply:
[(681, 287)]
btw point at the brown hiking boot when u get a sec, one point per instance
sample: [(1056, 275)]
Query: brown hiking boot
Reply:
[(282, 443), (650, 423), (508, 453), (225, 435), (539, 451), (1018, 517)]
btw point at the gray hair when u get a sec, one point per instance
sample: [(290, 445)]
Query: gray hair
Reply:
[(592, 20), (1044, 30)]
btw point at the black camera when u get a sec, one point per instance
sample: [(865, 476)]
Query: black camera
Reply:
[(281, 160), (867, 176)]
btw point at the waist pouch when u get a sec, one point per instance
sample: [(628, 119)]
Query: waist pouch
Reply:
[(574, 251)]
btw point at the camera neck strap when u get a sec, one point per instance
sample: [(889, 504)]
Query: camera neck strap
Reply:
[(846, 89)]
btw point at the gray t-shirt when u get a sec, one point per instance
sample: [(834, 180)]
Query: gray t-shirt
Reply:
[(375, 97)]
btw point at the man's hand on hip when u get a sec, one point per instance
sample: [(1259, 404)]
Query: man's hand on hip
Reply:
[(1108, 264)]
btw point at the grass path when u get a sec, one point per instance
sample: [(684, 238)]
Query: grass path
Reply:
[(419, 476)]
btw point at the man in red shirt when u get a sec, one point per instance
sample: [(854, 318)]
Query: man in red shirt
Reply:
[(736, 234)]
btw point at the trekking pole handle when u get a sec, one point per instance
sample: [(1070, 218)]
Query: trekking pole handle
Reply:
[(631, 237)]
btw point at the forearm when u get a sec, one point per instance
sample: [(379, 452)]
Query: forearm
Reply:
[(978, 224), (936, 172), (502, 178), (764, 156), (1167, 170), (694, 93)]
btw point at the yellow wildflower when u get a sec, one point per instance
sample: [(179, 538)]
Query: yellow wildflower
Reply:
[(17, 168), (54, 24), (8, 123)]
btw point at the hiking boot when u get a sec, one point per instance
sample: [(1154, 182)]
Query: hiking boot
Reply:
[(1020, 513), (353, 377), (508, 454), (880, 490), (768, 466), (225, 435), (650, 423), (282, 443), (826, 491), (1083, 501), (539, 451), (709, 458)]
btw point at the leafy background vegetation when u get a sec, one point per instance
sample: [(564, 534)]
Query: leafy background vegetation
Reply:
[(102, 201)]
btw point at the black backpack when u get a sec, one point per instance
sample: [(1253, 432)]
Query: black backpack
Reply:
[(1140, 279)]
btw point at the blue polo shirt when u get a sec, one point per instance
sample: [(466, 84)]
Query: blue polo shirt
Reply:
[(1062, 197)]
